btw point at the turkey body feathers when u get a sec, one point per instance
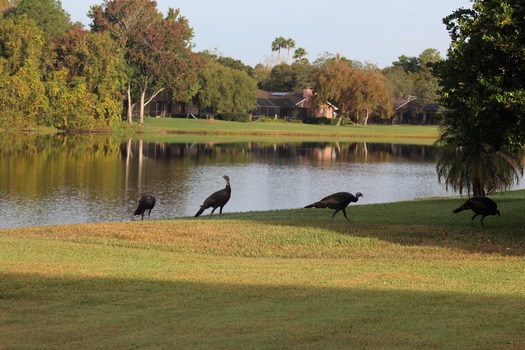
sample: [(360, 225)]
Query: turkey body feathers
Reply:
[(483, 206), (147, 202), (217, 199), (337, 201)]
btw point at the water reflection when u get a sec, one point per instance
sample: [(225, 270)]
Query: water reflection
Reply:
[(88, 178)]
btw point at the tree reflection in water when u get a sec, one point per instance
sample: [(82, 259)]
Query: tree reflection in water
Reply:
[(56, 180)]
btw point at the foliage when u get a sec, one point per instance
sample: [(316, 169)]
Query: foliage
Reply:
[(285, 77), (235, 117), (72, 82), (277, 45), (373, 96), (226, 61), (261, 73), (398, 82), (22, 96), (226, 90), (320, 120), (48, 15), (93, 67), (157, 49), (357, 93), (464, 167), (272, 120), (414, 76), (299, 54), (483, 92)]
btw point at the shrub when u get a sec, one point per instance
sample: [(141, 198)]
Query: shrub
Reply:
[(271, 120), (235, 117)]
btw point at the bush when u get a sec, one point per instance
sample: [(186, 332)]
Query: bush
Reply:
[(271, 120), (234, 117), (315, 120), (326, 121)]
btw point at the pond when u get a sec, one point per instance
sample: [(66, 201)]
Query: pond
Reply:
[(46, 180)]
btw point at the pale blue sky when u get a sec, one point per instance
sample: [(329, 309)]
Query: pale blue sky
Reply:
[(375, 31)]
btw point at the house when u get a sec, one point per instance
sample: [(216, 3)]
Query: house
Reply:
[(162, 105), (290, 105), (409, 111)]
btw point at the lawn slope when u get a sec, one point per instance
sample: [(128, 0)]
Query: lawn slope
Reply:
[(399, 276)]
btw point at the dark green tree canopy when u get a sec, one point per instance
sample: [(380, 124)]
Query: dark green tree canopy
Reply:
[(48, 14), (482, 78), (483, 91), (226, 90)]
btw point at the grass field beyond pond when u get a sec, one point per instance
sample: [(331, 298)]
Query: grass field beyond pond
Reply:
[(407, 275), (170, 127)]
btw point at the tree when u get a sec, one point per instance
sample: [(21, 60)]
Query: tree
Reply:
[(226, 61), (277, 45), (157, 49), (335, 82), (284, 77), (472, 169), (261, 73), (48, 14), (399, 82), (22, 97), (299, 54), (358, 90), (373, 96), (93, 66), (226, 90), (289, 44), (413, 76), (482, 89)]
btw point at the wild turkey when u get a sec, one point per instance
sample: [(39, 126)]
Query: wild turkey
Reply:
[(147, 202), (338, 201), (217, 199), (483, 206)]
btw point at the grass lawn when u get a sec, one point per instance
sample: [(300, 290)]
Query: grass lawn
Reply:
[(407, 275), (195, 130)]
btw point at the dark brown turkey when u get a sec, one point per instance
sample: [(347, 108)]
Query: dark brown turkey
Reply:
[(217, 199), (147, 202), (483, 206), (338, 201)]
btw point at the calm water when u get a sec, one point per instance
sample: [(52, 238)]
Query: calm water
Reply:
[(82, 179)]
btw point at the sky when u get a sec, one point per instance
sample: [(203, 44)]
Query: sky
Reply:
[(371, 31)]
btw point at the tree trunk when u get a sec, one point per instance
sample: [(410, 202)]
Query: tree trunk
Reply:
[(141, 107), (478, 190), (365, 119), (130, 105)]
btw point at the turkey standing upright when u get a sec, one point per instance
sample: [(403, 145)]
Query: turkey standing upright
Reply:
[(217, 199)]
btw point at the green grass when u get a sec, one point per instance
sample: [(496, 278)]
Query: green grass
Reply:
[(203, 130), (400, 276)]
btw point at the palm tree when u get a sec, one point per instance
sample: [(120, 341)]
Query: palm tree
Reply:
[(277, 44), (476, 168), (299, 54), (289, 44)]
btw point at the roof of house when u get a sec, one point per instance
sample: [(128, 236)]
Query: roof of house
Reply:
[(408, 104), (279, 99)]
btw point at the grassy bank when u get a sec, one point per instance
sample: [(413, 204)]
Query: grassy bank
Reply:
[(170, 128), (400, 276)]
